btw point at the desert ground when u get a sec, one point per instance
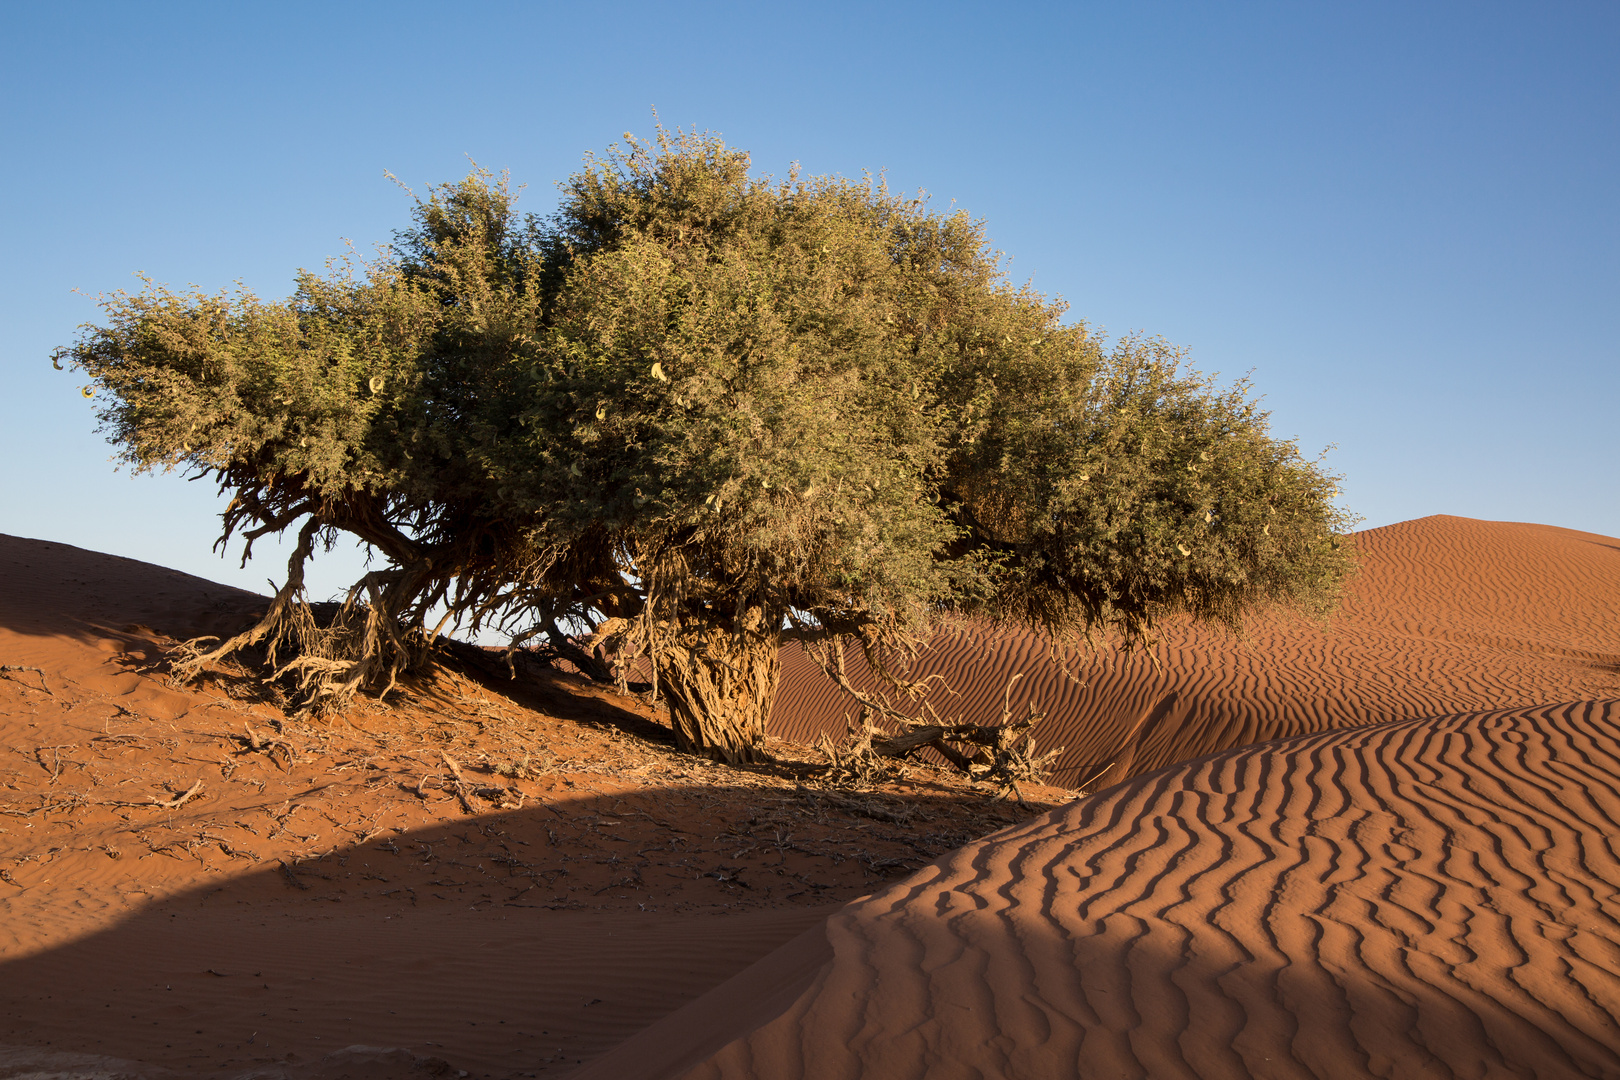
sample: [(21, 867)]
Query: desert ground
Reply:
[(1378, 847)]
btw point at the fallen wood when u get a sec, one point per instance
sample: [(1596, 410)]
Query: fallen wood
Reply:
[(1002, 754), (179, 800), (269, 745), (463, 790), (292, 877), (933, 736), (8, 671)]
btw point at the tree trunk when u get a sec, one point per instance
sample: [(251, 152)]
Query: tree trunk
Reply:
[(720, 692)]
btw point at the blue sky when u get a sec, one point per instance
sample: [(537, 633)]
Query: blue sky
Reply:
[(1400, 217)]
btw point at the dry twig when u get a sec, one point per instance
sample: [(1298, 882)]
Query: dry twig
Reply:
[(10, 671)]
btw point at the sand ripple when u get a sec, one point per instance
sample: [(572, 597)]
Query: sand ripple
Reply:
[(1429, 898), (1447, 615)]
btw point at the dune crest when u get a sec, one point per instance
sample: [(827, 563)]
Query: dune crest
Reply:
[(1416, 899), (1447, 615)]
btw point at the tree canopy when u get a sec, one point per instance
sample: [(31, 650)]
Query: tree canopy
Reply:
[(693, 415)]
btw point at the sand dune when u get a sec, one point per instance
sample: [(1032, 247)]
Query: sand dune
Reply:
[(1428, 898), (1416, 897), (339, 893), (1447, 615)]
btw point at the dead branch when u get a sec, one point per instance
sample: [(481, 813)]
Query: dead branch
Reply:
[(463, 791), (1003, 754), (55, 767), (269, 745), (179, 800), (10, 671)]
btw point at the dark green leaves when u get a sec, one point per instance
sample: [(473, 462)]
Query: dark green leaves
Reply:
[(808, 399)]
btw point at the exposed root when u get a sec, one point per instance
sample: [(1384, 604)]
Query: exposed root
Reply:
[(326, 652)]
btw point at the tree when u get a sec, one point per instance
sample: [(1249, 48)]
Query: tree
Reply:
[(695, 415)]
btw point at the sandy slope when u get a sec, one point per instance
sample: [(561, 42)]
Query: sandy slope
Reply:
[(1425, 894), (338, 892), (1420, 899), (1447, 615)]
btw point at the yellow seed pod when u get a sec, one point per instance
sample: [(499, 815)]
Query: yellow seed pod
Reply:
[(88, 391), (658, 372), (376, 384)]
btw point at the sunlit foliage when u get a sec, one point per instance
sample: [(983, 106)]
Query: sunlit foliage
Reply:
[(695, 414)]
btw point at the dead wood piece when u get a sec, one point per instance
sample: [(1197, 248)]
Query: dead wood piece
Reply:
[(279, 750), (179, 800), (10, 671), (507, 798), (47, 805), (1002, 754), (908, 741), (54, 767), (519, 769)]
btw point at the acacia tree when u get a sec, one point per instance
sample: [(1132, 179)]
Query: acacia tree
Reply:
[(695, 415)]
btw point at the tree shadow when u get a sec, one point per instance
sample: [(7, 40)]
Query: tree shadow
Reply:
[(508, 944)]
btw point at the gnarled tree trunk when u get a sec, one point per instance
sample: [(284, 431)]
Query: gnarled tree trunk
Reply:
[(720, 687)]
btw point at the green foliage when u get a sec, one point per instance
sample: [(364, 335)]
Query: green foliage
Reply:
[(701, 413)]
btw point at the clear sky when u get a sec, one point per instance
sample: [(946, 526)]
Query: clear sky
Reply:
[(1402, 218)]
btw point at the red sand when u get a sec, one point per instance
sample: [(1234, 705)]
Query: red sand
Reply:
[(1421, 898), (1447, 615), (297, 907)]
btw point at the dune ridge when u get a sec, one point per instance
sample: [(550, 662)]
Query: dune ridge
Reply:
[(1426, 898), (1447, 615)]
